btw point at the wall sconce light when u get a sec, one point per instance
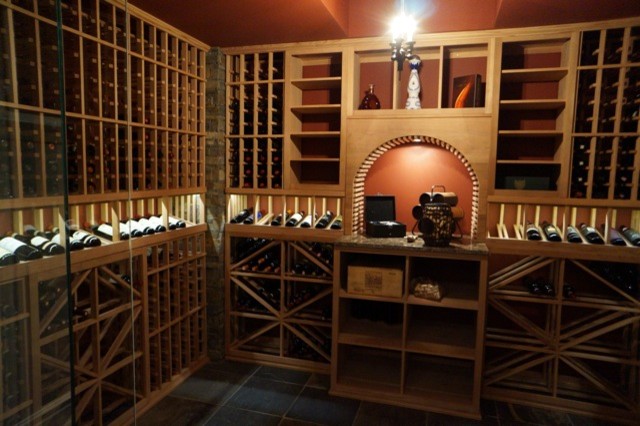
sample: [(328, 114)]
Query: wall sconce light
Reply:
[(402, 28)]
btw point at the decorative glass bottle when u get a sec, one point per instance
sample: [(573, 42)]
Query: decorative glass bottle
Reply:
[(413, 89), (370, 100)]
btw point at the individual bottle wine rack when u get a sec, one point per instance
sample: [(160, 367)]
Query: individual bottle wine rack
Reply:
[(166, 106), (255, 84), (272, 211), (587, 226), (606, 129), (280, 303), (544, 345)]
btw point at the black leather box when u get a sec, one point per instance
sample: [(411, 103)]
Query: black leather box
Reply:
[(380, 217)]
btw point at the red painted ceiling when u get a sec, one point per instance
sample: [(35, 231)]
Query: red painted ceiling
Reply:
[(248, 22)]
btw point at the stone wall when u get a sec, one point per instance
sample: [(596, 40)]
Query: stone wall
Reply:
[(215, 200)]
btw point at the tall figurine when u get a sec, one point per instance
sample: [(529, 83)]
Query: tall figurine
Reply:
[(413, 89)]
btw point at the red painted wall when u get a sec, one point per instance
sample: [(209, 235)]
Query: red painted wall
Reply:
[(409, 170)]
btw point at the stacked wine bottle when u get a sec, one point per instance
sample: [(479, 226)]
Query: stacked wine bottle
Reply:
[(622, 236), (290, 219)]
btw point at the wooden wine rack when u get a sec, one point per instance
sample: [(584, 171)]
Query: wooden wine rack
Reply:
[(605, 160), (574, 350), (278, 301), (132, 144)]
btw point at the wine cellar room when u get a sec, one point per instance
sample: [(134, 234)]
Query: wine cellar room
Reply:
[(345, 212)]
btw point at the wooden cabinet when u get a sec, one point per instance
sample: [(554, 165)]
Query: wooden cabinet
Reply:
[(573, 344), (131, 145), (408, 350)]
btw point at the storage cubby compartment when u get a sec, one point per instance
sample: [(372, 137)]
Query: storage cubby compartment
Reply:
[(375, 69), (609, 283), (371, 323), (369, 368), (515, 370), (383, 261), (441, 331), (457, 279), (541, 176), (464, 76), (308, 342), (439, 378), (584, 379)]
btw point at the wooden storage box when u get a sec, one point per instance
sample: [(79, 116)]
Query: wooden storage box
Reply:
[(374, 281)]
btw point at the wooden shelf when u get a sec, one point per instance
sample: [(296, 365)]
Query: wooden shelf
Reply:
[(532, 104), (534, 74), (317, 83)]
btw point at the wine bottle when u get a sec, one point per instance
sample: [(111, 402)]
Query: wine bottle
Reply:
[(573, 236), (87, 239), (307, 222), (22, 250), (145, 226), (253, 217), (106, 230), (7, 258), (532, 232), (295, 219), (277, 221), (74, 243), (48, 247), (324, 220), (179, 223), (631, 235), (614, 236), (337, 222), (370, 100), (132, 228), (156, 223), (590, 234), (550, 232), (242, 216)]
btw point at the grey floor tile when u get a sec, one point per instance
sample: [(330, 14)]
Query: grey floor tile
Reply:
[(519, 414), (210, 386), (372, 414), (578, 420), (237, 416), (319, 381), (436, 419), (265, 396), (291, 422), (283, 375), (238, 367), (488, 408), (176, 412), (317, 406)]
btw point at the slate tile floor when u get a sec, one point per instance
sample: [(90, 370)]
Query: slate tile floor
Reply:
[(234, 393)]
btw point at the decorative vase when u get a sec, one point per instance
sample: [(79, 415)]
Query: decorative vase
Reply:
[(370, 100), (413, 88)]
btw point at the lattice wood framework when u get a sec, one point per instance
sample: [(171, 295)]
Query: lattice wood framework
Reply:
[(280, 314), (577, 351)]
